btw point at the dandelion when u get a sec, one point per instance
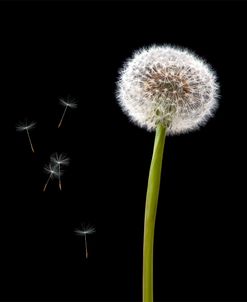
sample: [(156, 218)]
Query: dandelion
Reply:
[(66, 102), (84, 231), (60, 160), (167, 86), (53, 172), (171, 91), (26, 127)]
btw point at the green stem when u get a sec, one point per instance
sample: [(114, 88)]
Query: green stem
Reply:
[(150, 212)]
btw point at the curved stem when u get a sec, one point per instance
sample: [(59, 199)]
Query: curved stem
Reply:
[(150, 212)]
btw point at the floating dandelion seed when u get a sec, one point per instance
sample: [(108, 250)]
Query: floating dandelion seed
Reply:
[(60, 160), (52, 170), (86, 230), (26, 127), (68, 102), (171, 91)]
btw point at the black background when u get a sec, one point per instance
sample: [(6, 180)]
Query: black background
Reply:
[(51, 49)]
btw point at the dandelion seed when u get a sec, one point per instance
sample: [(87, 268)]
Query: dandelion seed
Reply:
[(60, 160), (84, 231), (52, 170), (66, 102), (26, 127)]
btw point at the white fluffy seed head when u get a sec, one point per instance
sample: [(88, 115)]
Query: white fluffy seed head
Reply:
[(22, 126), (85, 230), (68, 102), (60, 159), (52, 170), (168, 86)]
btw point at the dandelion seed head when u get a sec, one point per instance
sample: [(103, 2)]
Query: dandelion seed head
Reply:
[(53, 170), (22, 126), (168, 86), (68, 102), (60, 159), (85, 230)]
